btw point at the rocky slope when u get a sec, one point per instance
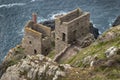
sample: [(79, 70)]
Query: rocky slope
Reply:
[(99, 61), (102, 56), (117, 21), (35, 68), (13, 57)]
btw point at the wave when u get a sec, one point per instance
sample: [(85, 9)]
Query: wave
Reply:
[(111, 21), (53, 15), (35, 0), (21, 32), (11, 5), (41, 19)]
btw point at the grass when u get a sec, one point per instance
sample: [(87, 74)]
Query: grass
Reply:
[(15, 57), (78, 72), (91, 74), (96, 48), (12, 62), (99, 48), (51, 54)]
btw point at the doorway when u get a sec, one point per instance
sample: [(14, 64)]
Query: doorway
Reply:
[(74, 36), (35, 51), (63, 36)]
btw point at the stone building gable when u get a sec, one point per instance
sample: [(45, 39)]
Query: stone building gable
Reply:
[(32, 41), (37, 38)]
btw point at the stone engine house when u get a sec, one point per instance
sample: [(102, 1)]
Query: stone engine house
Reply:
[(37, 38), (69, 29)]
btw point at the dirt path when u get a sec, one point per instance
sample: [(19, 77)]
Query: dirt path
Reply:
[(70, 52)]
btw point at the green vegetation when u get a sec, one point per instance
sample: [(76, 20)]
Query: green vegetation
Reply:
[(51, 54), (79, 71), (11, 62), (15, 56), (97, 47)]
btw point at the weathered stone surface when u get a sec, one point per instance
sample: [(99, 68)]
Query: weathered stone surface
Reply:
[(97, 63), (28, 68), (49, 23), (94, 31), (3, 68), (58, 74), (12, 74), (87, 60), (87, 40), (14, 54), (117, 21), (112, 59), (110, 63), (112, 33), (66, 66), (37, 39), (111, 52)]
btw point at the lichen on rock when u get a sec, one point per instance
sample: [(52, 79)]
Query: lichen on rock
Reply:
[(34, 68)]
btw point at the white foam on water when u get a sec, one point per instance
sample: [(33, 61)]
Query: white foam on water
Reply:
[(33, 0), (95, 25), (99, 32), (21, 32), (53, 15), (110, 21), (41, 19), (11, 5), (50, 16)]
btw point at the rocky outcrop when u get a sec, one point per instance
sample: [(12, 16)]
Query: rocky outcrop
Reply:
[(36, 67), (89, 59), (112, 59), (117, 21), (112, 51), (112, 33), (94, 31), (14, 55), (49, 23), (86, 41)]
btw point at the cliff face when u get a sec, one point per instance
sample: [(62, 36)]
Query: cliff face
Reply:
[(13, 57), (117, 21)]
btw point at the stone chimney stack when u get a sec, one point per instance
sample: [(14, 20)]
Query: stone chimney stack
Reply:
[(34, 17)]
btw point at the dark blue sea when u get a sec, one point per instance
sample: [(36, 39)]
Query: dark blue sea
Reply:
[(15, 13)]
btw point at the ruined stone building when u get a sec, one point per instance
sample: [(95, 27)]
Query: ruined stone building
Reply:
[(37, 38), (69, 29)]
